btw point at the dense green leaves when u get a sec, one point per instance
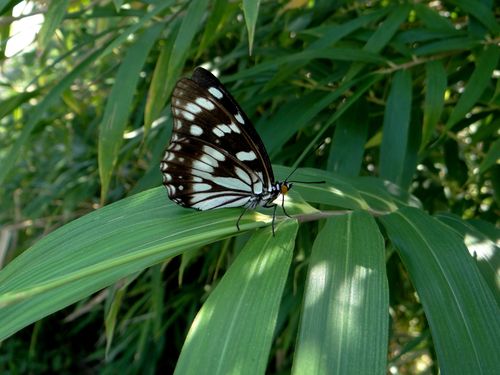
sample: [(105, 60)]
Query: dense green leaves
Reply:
[(391, 107)]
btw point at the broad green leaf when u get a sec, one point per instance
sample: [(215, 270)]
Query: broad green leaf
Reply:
[(251, 12), (478, 81), (396, 130), (463, 316), (435, 87), (36, 114), (344, 324), (53, 18), (104, 246), (119, 103), (348, 142), (233, 331), (485, 252)]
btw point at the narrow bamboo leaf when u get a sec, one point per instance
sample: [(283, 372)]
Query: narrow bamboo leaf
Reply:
[(191, 22), (344, 325), (394, 148), (478, 81), (484, 251), (32, 118), (233, 331), (348, 143), (481, 13), (463, 316), (435, 87), (446, 45), (119, 104), (382, 35), (104, 246), (222, 12), (432, 19), (53, 18), (251, 12), (160, 88), (492, 157)]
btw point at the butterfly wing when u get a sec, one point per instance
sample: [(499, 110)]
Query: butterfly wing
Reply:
[(215, 158)]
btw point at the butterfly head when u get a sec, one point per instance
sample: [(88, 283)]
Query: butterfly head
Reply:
[(285, 187)]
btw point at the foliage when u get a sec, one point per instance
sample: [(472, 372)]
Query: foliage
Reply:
[(393, 104)]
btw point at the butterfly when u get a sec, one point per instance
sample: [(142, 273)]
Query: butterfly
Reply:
[(215, 158)]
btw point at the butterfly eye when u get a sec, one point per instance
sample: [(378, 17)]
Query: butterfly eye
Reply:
[(284, 189)]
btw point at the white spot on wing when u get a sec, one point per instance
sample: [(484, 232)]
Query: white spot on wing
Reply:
[(221, 201), (243, 175), (197, 179), (200, 187), (214, 153), (239, 118), (195, 130), (209, 160), (193, 108), (215, 92), (181, 188), (224, 128), (234, 128), (232, 183), (188, 115), (246, 156), (218, 132), (197, 164), (205, 103)]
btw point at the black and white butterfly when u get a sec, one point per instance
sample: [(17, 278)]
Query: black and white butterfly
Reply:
[(215, 158)]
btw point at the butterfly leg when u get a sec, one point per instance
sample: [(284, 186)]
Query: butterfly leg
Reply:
[(239, 218), (283, 205)]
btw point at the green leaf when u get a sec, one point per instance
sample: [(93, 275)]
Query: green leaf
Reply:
[(344, 324), (348, 143), (53, 18), (394, 148), (435, 87), (191, 22), (382, 35), (462, 313), (233, 331), (251, 11), (492, 157), (480, 12), (160, 87), (485, 252), (118, 106), (478, 81)]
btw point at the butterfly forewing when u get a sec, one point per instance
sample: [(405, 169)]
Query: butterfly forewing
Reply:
[(215, 158)]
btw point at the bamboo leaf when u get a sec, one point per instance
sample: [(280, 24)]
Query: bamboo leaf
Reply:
[(251, 12), (119, 104), (233, 331), (394, 148), (478, 81), (462, 313), (345, 321), (348, 143), (480, 12), (53, 18), (435, 84)]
